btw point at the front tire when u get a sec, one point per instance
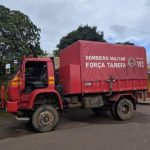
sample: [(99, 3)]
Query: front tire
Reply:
[(45, 118)]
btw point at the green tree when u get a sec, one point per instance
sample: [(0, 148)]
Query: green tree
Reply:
[(81, 33), (18, 36), (125, 43)]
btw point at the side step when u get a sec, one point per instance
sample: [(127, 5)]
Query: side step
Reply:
[(22, 118)]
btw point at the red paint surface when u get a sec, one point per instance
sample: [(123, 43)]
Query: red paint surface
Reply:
[(129, 69), (11, 106)]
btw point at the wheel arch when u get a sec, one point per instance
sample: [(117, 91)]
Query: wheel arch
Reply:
[(52, 93), (117, 97)]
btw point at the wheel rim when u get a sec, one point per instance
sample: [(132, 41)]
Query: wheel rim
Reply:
[(125, 109), (46, 118)]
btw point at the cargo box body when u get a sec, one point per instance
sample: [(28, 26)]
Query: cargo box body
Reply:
[(88, 67)]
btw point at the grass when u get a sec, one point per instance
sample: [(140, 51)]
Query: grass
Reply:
[(3, 113)]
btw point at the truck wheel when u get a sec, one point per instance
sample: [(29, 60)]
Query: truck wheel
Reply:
[(45, 118), (112, 110), (98, 111), (124, 109)]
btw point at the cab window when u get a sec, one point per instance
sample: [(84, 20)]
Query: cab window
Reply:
[(36, 75)]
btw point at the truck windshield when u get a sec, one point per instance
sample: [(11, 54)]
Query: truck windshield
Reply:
[(36, 75)]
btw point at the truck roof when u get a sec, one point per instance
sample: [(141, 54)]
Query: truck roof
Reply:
[(85, 42), (43, 59)]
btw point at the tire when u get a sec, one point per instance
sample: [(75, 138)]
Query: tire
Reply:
[(45, 118), (112, 110), (98, 111), (124, 109)]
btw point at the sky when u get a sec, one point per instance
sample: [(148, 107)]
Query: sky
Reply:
[(121, 20)]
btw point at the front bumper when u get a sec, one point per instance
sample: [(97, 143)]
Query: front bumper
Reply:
[(11, 106)]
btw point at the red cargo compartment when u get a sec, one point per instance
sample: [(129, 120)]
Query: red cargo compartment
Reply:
[(99, 62), (70, 78)]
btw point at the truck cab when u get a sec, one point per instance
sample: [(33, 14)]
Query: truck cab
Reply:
[(31, 87)]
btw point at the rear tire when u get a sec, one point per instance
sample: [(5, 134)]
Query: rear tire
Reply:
[(124, 109), (45, 118)]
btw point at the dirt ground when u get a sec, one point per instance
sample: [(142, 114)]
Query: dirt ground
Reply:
[(11, 128), (80, 130)]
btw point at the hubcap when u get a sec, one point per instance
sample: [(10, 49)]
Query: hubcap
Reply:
[(125, 109), (46, 118)]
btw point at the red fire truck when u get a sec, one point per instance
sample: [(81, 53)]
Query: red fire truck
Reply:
[(92, 75)]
